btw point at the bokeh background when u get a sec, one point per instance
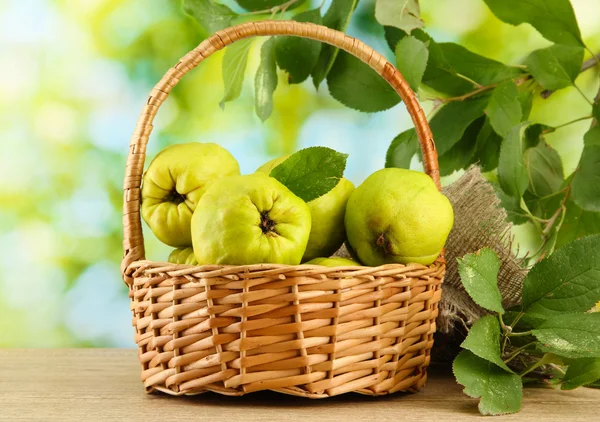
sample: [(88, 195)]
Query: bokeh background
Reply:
[(75, 74)]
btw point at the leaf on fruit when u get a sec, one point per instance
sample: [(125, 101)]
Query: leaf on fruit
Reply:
[(554, 19), (450, 122), (402, 149), (479, 276), (577, 224), (265, 81), (581, 372), (484, 340), (585, 189), (411, 60), (571, 335), (462, 153), (311, 172), (234, 68), (298, 56), (501, 392), (555, 67), (354, 84), (566, 281), (254, 5), (337, 17), (487, 147), (544, 170), (211, 16), (512, 174), (504, 108), (402, 14)]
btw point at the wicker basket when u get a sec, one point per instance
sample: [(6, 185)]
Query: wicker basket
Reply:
[(305, 330)]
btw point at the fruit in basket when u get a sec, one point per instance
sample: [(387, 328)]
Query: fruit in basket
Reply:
[(333, 262), (174, 183), (327, 232), (251, 219), (398, 216), (183, 256)]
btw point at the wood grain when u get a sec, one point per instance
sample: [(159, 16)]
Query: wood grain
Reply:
[(104, 384)]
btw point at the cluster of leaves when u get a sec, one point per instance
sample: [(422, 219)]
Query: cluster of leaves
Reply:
[(552, 337)]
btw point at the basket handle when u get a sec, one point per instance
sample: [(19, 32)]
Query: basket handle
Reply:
[(133, 243)]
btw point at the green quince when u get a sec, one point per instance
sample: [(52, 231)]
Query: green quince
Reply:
[(398, 216), (183, 256), (174, 183), (333, 262), (252, 219), (327, 233)]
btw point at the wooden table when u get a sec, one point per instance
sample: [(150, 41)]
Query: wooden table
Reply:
[(104, 384)]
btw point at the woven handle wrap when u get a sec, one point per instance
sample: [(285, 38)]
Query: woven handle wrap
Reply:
[(133, 242)]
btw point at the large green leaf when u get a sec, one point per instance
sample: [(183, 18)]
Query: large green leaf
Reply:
[(577, 224), (512, 206), (544, 170), (501, 392), (451, 121), (554, 19), (298, 56), (484, 340), (571, 335), (402, 149), (337, 17), (581, 372), (585, 190), (212, 16), (533, 135), (356, 85), (234, 69), (255, 5), (555, 67), (512, 174), (479, 276), (566, 281), (265, 81), (402, 14), (411, 60), (311, 172), (487, 147), (462, 153), (504, 108)]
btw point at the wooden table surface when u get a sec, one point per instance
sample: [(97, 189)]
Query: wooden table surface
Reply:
[(104, 384)]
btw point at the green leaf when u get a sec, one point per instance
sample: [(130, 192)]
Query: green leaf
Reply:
[(533, 135), (479, 276), (461, 155), (450, 122), (596, 111), (512, 173), (555, 67), (526, 100), (402, 14), (356, 85), (504, 108), (484, 340), (337, 17), (265, 81), (566, 281), (393, 36), (487, 147), (501, 392), (577, 224), (411, 60), (581, 372), (298, 56), (402, 149), (234, 68), (554, 19), (585, 189), (571, 335), (544, 170), (254, 5), (476, 67), (311, 172), (210, 15), (512, 205)]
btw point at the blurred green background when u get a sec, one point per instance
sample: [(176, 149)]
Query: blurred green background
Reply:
[(75, 76)]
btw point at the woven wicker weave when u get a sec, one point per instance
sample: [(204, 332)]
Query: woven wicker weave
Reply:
[(304, 330)]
